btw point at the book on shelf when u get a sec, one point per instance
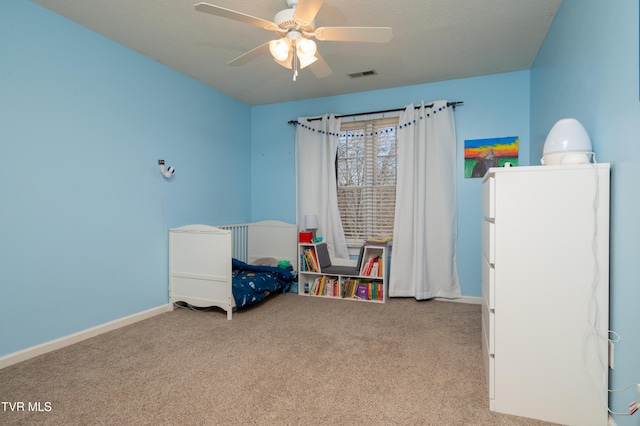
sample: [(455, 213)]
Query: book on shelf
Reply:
[(363, 291), (356, 289), (320, 286), (378, 241), (345, 287), (349, 288), (373, 267), (325, 286), (310, 260), (315, 286), (377, 290), (306, 264)]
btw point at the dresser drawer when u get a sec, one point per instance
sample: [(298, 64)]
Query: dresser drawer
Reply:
[(489, 366), (488, 283), (488, 240), (488, 319), (488, 198)]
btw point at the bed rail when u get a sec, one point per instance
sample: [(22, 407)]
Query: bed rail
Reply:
[(239, 240)]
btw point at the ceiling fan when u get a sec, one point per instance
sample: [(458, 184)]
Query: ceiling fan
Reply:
[(295, 27)]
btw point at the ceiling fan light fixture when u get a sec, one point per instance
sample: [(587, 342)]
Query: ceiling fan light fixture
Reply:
[(287, 63), (280, 48), (306, 61), (306, 49), (294, 27)]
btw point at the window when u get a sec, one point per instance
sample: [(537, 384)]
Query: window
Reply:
[(366, 175)]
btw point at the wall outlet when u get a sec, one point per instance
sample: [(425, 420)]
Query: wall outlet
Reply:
[(610, 354)]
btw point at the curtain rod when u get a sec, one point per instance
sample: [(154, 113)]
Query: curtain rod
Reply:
[(453, 104)]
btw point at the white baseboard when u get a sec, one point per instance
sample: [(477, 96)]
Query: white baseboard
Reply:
[(474, 300), (34, 351)]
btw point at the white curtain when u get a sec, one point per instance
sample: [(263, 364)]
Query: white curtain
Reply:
[(317, 194), (423, 259)]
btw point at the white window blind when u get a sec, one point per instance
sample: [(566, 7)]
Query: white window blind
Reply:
[(366, 175)]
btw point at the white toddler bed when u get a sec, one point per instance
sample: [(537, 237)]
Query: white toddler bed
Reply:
[(201, 258)]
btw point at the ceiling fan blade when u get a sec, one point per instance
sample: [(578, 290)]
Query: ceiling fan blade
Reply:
[(364, 34), (320, 68), (250, 55), (306, 11), (236, 16)]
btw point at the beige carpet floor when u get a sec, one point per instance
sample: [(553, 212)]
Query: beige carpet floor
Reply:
[(291, 360)]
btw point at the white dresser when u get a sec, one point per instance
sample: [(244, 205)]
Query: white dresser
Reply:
[(545, 282)]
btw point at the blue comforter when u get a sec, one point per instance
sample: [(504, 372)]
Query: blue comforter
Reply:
[(253, 283)]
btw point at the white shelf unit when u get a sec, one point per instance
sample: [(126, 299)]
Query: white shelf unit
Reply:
[(545, 288), (366, 286)]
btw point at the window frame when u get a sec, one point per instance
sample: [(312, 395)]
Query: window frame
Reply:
[(372, 134)]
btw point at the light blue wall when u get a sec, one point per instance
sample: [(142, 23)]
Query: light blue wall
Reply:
[(494, 106), (84, 210), (587, 68)]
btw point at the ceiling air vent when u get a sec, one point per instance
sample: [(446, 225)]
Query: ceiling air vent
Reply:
[(362, 74)]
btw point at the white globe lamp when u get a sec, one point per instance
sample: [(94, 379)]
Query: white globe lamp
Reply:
[(567, 143)]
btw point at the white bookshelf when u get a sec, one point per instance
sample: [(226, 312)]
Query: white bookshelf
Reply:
[(370, 284)]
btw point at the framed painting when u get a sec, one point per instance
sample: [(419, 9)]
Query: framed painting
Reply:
[(481, 154)]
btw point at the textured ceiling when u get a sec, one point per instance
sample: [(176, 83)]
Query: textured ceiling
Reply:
[(433, 40)]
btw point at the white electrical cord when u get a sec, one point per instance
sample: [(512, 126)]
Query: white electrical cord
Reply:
[(165, 232), (592, 311), (592, 308)]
